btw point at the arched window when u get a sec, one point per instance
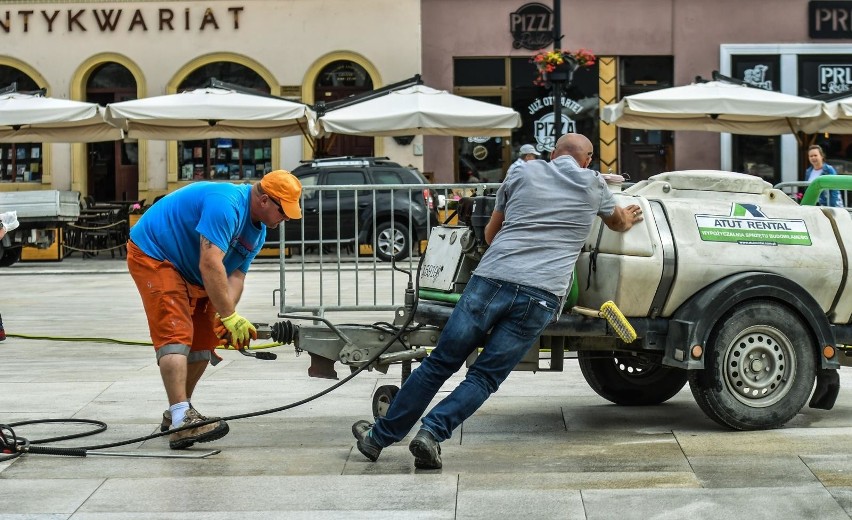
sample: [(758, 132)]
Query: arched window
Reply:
[(9, 75), (345, 73), (21, 162), (224, 159)]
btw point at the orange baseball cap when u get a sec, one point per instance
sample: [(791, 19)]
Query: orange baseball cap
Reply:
[(286, 189)]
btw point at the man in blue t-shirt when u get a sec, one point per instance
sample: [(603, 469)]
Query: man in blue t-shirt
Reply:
[(189, 255), (542, 216)]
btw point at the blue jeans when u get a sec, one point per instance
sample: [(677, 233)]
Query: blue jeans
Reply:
[(514, 314)]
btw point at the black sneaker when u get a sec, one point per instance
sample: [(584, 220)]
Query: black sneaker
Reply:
[(426, 451), (366, 444)]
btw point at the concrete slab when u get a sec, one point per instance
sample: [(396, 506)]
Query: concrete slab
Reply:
[(812, 501), (45, 496), (544, 446), (419, 493)]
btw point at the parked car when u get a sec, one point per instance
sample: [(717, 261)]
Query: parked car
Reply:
[(403, 217)]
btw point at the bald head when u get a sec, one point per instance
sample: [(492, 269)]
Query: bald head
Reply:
[(575, 145)]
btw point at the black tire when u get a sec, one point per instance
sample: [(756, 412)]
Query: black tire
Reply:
[(630, 380), (9, 255), (382, 399), (392, 242), (777, 379)]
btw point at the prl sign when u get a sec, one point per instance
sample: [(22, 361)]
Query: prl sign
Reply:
[(829, 19), (532, 26)]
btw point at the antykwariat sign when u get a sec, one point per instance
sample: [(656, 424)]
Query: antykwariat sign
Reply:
[(748, 225)]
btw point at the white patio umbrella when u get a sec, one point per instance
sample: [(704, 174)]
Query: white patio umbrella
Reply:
[(840, 122), (30, 118), (421, 110), (208, 113), (717, 106)]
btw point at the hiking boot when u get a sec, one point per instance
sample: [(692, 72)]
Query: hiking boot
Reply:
[(426, 450), (2, 330), (166, 425), (366, 444), (206, 433)]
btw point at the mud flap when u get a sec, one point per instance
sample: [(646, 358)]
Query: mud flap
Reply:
[(827, 388), (321, 367)]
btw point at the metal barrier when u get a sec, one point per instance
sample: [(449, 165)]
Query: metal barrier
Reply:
[(340, 269), (795, 189)]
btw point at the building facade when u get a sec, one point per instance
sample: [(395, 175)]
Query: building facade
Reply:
[(313, 50), (104, 52), (480, 48)]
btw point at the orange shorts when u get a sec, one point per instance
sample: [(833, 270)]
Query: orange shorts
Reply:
[(180, 315)]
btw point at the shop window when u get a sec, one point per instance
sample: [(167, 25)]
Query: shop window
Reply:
[(646, 72), (644, 153), (20, 162), (579, 110), (757, 154), (479, 72), (224, 159)]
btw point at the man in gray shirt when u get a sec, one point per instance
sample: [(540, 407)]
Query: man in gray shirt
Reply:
[(536, 231)]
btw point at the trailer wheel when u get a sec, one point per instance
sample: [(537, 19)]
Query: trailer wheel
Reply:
[(382, 399), (9, 255), (630, 380), (760, 367)]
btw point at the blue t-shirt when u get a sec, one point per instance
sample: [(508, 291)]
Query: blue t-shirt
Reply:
[(172, 228)]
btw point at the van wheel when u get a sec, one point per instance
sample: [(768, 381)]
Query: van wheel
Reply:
[(760, 367), (392, 242), (630, 380)]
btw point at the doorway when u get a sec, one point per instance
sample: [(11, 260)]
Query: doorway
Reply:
[(337, 80), (113, 166)]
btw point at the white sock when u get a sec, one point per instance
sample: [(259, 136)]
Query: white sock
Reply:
[(178, 411)]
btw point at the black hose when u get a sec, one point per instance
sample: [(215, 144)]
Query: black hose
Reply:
[(19, 445)]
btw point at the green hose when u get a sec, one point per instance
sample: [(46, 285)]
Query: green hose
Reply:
[(121, 341)]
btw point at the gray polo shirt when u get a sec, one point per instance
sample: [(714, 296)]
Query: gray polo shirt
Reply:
[(548, 213)]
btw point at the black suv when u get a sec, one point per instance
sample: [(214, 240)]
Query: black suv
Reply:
[(403, 217)]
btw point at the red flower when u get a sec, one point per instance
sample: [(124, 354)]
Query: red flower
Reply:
[(547, 61)]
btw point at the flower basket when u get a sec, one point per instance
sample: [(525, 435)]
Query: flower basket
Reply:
[(558, 66)]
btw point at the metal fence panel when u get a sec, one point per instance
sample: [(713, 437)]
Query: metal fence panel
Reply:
[(340, 269)]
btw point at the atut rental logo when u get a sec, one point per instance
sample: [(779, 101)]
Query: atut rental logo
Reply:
[(834, 79)]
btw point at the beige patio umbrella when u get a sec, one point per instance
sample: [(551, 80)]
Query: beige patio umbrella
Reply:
[(717, 106), (421, 110), (210, 112), (32, 118)]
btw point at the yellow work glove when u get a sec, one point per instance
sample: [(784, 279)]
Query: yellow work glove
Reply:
[(241, 330), (221, 332)]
